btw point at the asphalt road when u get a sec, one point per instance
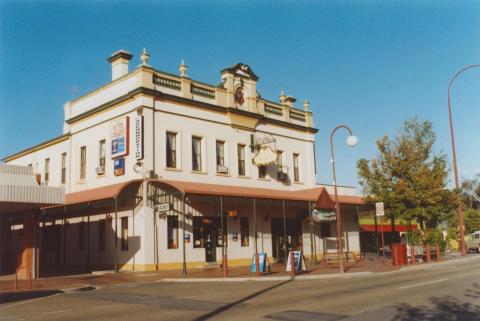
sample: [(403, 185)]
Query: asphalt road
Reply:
[(441, 292)]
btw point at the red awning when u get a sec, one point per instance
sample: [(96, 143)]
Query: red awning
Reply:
[(385, 228)]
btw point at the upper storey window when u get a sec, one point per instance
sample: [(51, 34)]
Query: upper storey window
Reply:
[(171, 151), (83, 162), (196, 153)]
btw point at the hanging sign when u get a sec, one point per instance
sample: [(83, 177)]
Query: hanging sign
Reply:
[(265, 156), (299, 262), (323, 216), (119, 137), (162, 207), (139, 137)]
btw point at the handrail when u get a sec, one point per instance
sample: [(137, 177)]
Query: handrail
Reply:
[(29, 271)]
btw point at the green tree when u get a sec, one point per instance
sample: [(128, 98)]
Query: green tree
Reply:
[(408, 176)]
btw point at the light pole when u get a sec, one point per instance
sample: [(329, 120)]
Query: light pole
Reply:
[(454, 154), (351, 141)]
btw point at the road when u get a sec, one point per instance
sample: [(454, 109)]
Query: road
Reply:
[(440, 292)]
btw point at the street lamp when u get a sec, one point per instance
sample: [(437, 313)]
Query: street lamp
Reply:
[(351, 141), (454, 154)]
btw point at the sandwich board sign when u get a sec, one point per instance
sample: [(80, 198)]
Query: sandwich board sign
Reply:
[(299, 262), (379, 209), (263, 264)]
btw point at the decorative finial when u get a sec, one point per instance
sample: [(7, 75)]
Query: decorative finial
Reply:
[(144, 57), (183, 69), (306, 105), (282, 96)]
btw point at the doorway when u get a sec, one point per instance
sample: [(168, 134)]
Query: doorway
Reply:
[(293, 237)]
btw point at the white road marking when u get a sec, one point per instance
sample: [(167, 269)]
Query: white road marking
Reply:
[(58, 311), (422, 283), (106, 306)]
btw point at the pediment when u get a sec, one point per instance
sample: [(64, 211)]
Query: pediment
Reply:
[(241, 70)]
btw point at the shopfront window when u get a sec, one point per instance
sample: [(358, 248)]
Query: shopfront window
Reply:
[(172, 227), (124, 241), (244, 231)]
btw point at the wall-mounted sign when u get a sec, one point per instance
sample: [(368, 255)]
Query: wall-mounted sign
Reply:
[(139, 137), (119, 132), (187, 237), (119, 166), (265, 156), (162, 207)]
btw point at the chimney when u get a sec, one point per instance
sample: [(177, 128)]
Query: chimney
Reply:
[(119, 61)]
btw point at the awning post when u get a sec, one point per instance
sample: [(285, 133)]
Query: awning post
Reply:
[(257, 265), (116, 234), (184, 265), (285, 245), (313, 254)]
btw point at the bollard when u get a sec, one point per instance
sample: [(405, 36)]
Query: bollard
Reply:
[(257, 265), (225, 266), (292, 263), (437, 248), (429, 257), (412, 254)]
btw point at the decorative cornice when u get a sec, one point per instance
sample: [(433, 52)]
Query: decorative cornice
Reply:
[(44, 144)]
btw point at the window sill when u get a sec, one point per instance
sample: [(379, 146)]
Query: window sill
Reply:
[(244, 177), (101, 175), (264, 179), (299, 183), (172, 169), (82, 181), (199, 172), (221, 174)]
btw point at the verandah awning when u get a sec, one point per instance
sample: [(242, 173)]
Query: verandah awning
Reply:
[(318, 195)]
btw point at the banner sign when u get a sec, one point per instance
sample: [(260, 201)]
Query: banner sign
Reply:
[(162, 207), (139, 137), (119, 137), (299, 261), (263, 264)]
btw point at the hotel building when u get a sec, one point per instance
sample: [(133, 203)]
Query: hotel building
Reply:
[(161, 171)]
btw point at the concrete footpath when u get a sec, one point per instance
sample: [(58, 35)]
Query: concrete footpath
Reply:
[(84, 282)]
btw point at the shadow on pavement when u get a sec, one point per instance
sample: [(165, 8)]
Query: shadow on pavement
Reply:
[(446, 308), (232, 304), (8, 297)]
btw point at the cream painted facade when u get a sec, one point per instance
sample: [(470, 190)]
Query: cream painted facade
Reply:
[(177, 104)]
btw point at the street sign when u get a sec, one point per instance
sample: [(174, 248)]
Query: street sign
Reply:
[(379, 209), (162, 207)]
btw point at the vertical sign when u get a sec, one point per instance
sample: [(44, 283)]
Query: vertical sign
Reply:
[(119, 137), (139, 137), (379, 209)]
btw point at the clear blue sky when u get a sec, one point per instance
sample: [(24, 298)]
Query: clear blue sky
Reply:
[(368, 64)]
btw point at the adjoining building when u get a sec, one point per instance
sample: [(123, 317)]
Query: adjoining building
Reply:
[(163, 171)]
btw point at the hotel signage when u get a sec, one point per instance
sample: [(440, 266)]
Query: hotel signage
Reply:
[(119, 137), (139, 137)]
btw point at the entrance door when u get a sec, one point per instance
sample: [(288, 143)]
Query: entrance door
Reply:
[(210, 240), (293, 237)]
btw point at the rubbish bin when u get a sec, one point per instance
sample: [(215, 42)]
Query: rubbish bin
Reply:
[(399, 254)]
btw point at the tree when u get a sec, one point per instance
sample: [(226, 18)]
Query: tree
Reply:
[(471, 192), (408, 177)]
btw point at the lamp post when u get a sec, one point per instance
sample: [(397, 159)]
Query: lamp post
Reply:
[(351, 141), (454, 154)]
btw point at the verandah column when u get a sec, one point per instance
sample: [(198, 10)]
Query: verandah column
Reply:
[(184, 265), (285, 245), (115, 233), (257, 265)]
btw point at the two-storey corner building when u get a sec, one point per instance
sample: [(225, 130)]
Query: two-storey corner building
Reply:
[(163, 171)]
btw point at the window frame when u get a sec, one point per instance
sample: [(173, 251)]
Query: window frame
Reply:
[(241, 162), (171, 155), (296, 167), (63, 173), (102, 152), (46, 174), (83, 163), (197, 157)]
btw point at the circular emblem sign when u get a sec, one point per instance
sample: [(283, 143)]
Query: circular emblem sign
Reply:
[(238, 97)]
